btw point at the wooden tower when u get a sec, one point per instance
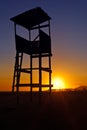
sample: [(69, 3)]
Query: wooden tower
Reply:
[(39, 47)]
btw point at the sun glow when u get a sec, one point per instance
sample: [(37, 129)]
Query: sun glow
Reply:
[(58, 83)]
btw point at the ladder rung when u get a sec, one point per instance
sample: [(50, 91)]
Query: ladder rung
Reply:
[(35, 85), (47, 69), (24, 70), (18, 66)]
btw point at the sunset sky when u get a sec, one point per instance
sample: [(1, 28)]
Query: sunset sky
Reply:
[(69, 39)]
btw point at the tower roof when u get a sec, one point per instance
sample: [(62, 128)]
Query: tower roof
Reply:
[(31, 18)]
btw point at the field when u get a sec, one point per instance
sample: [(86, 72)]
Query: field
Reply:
[(58, 111)]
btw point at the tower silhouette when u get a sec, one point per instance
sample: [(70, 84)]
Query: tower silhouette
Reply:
[(38, 48)]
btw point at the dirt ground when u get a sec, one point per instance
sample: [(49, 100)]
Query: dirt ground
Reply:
[(58, 111)]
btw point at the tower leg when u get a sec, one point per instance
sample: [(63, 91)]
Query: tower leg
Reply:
[(31, 77), (50, 73), (40, 77)]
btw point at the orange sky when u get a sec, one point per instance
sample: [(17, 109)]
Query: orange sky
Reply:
[(73, 76)]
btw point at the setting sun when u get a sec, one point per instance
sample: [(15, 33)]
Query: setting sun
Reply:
[(58, 83)]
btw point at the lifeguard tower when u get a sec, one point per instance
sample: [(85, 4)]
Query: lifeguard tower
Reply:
[(38, 47)]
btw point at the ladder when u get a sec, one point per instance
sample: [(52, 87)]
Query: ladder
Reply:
[(17, 72)]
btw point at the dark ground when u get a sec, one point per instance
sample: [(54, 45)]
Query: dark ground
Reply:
[(60, 111)]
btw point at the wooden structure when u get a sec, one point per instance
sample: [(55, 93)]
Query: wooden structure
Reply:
[(39, 47)]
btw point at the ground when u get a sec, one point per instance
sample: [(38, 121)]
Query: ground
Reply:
[(60, 110)]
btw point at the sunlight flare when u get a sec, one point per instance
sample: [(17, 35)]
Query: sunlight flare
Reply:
[(58, 83)]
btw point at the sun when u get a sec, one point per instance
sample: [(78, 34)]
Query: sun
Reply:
[(58, 83)]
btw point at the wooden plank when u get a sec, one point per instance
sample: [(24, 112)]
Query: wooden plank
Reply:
[(35, 85), (47, 69), (42, 55)]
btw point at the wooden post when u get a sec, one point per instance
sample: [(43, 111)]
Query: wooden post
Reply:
[(30, 69), (40, 70)]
